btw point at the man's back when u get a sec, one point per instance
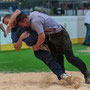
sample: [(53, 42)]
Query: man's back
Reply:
[(41, 22), (18, 30)]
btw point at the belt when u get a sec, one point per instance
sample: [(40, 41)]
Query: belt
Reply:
[(54, 34)]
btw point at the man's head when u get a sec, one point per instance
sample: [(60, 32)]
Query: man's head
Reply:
[(6, 19), (23, 20)]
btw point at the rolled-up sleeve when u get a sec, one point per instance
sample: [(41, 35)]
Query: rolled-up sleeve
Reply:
[(38, 27)]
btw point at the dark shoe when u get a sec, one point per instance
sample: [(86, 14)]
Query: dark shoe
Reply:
[(87, 78), (86, 44)]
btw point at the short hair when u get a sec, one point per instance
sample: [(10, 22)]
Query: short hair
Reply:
[(21, 17), (6, 16)]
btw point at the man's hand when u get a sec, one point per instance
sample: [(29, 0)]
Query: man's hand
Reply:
[(5, 35), (41, 39), (24, 35), (35, 48), (3, 29), (8, 29), (18, 44)]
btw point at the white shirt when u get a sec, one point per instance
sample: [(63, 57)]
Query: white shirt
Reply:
[(41, 22), (87, 17)]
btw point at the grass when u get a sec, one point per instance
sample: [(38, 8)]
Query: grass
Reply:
[(25, 61)]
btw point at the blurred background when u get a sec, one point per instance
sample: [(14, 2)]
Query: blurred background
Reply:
[(51, 7), (69, 13)]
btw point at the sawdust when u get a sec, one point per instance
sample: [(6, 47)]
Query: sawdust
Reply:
[(41, 81)]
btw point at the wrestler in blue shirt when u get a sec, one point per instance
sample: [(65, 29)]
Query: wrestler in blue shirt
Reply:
[(18, 30), (44, 55)]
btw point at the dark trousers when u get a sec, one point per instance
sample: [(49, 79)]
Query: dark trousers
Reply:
[(87, 38), (77, 62), (61, 42), (46, 57), (59, 57)]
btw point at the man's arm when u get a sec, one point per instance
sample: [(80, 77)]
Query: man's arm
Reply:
[(38, 27), (41, 39), (14, 16), (18, 44), (2, 28), (13, 20)]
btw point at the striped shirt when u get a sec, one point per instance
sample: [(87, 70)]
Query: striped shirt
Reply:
[(43, 23)]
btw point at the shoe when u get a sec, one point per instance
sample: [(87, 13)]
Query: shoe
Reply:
[(66, 77), (87, 78), (86, 44)]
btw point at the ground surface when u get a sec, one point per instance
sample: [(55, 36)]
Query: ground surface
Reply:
[(41, 81), (22, 71)]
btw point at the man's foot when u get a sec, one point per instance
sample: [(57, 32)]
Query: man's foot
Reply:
[(86, 44), (87, 79), (65, 77)]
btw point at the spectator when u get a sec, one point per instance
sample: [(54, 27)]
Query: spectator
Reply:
[(87, 24)]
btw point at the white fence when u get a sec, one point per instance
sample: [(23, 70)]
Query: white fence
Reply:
[(73, 24), (75, 12)]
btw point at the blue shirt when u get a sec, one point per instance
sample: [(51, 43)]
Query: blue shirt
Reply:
[(18, 30)]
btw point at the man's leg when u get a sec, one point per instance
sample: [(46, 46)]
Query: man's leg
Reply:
[(77, 62), (87, 42), (60, 60), (62, 41), (45, 56), (58, 56), (52, 64), (89, 35)]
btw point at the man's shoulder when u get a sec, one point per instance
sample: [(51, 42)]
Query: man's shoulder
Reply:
[(14, 29)]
